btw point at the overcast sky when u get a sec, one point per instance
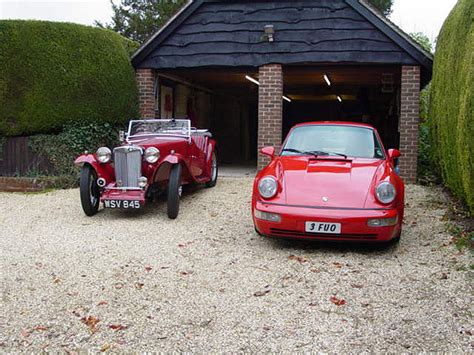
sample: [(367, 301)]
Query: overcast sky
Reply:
[(425, 16)]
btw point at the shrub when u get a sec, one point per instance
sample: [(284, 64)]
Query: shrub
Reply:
[(451, 110), (55, 73), (63, 148)]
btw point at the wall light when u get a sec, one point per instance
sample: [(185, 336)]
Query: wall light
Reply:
[(255, 81), (327, 79), (286, 98), (339, 98)]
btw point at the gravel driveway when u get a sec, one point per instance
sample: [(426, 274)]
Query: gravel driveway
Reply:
[(206, 282)]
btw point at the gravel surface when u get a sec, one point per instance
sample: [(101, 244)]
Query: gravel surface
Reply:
[(123, 281)]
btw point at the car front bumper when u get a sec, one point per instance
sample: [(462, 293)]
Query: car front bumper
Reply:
[(353, 222)]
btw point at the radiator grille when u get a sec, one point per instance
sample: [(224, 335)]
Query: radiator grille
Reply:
[(128, 166)]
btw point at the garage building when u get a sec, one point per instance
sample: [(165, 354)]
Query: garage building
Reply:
[(250, 70)]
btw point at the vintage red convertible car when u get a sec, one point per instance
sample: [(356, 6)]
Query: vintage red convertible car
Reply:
[(156, 156), (330, 181)]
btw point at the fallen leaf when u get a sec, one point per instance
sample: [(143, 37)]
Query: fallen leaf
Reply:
[(118, 285), (102, 303), (313, 304), (357, 286), (139, 285), (148, 268), (91, 322), (25, 333), (444, 276), (57, 280), (315, 270), (105, 347), (261, 293), (338, 265), (40, 328), (117, 327), (299, 259), (337, 301)]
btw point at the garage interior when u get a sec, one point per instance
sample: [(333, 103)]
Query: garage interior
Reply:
[(226, 101)]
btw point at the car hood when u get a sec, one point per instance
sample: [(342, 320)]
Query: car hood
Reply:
[(159, 142), (327, 182)]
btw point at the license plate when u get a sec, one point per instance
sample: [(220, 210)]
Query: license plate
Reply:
[(323, 228), (124, 204)]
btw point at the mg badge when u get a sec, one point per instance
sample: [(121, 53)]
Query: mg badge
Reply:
[(325, 199)]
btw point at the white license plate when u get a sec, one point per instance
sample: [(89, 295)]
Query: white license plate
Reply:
[(125, 204), (323, 228)]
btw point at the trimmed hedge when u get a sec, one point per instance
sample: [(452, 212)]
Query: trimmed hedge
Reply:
[(452, 101), (53, 73)]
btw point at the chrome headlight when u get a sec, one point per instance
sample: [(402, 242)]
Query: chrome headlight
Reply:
[(385, 192), (152, 155), (104, 155), (268, 187)]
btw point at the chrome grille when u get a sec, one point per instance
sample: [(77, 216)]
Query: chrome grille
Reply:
[(128, 166)]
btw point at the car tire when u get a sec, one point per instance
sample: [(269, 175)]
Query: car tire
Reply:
[(214, 171), (174, 191), (396, 240), (89, 190)]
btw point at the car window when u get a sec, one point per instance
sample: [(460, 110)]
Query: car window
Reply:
[(352, 141)]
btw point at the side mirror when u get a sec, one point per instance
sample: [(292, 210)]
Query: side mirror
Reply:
[(270, 151), (394, 153)]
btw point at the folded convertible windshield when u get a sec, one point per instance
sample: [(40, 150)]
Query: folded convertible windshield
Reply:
[(345, 141)]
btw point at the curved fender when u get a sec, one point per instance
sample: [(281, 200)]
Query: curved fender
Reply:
[(174, 159), (105, 171), (211, 148)]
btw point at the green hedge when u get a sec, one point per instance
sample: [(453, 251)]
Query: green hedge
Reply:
[(452, 101), (55, 73)]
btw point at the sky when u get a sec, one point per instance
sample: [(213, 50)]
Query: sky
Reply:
[(425, 16)]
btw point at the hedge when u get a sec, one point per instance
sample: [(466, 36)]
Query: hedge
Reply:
[(452, 101), (54, 73)]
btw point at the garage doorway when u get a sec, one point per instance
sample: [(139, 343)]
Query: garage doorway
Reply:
[(223, 101), (369, 94)]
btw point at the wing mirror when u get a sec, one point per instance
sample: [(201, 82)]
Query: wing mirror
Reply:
[(269, 151), (394, 154)]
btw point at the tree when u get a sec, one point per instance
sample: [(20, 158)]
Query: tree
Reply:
[(423, 41), (139, 19), (384, 6)]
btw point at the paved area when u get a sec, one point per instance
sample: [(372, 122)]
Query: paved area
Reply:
[(123, 281)]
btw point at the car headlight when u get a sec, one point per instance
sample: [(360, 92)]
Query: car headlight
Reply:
[(385, 192), (152, 155), (104, 155), (268, 187)]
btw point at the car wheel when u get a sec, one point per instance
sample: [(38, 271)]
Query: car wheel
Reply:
[(214, 171), (89, 190), (174, 191), (396, 240)]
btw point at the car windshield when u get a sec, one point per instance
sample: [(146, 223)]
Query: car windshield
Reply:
[(351, 141), (160, 127)]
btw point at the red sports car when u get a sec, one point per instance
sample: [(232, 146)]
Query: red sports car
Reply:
[(330, 181), (156, 156)]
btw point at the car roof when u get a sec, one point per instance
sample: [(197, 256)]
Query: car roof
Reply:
[(335, 123)]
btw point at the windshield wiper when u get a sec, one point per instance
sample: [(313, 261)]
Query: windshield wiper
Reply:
[(291, 150), (333, 153), (316, 153)]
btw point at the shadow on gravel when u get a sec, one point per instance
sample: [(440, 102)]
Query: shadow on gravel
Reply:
[(316, 247), (155, 208)]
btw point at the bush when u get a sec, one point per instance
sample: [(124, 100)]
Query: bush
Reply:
[(55, 73), (63, 148), (452, 101)]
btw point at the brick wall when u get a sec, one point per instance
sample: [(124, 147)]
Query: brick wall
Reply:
[(270, 109), (146, 81), (409, 122)]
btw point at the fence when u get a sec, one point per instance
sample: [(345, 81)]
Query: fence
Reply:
[(17, 158)]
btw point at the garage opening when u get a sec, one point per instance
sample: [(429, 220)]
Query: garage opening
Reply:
[(369, 94), (222, 100)]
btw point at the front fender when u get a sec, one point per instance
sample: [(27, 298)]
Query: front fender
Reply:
[(105, 171)]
